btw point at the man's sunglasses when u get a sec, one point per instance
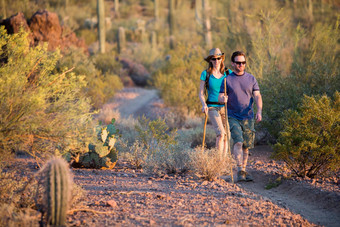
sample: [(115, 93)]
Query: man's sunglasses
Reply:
[(240, 62), (214, 59)]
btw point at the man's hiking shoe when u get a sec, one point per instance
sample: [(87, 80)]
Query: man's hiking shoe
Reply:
[(241, 176), (249, 177)]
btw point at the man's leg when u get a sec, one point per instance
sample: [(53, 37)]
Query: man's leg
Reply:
[(245, 158), (249, 137), (238, 155)]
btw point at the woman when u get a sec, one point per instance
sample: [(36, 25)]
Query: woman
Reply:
[(211, 79)]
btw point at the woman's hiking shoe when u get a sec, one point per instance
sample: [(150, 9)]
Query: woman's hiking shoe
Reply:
[(241, 176)]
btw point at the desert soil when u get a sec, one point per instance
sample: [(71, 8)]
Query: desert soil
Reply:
[(126, 196)]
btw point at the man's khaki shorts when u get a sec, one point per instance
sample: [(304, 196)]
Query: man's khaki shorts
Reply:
[(242, 131), (217, 119)]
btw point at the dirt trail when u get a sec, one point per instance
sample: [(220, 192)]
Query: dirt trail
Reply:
[(185, 200), (319, 204)]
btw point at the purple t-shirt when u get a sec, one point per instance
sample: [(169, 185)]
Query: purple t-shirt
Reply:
[(240, 95)]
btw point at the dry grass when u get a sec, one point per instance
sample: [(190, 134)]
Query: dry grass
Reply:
[(210, 163)]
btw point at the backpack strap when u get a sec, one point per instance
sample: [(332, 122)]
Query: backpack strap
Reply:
[(207, 81)]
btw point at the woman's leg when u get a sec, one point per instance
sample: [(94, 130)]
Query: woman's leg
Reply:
[(216, 121)]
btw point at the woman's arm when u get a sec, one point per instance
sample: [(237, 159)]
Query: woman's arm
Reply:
[(202, 98)]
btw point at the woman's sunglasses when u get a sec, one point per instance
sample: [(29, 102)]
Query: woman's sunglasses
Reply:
[(214, 59)]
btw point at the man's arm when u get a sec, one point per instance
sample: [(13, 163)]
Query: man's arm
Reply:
[(258, 100)]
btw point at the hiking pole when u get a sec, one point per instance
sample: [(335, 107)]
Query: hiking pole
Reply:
[(226, 128), (204, 129)]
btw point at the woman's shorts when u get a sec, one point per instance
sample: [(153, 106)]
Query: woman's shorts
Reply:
[(242, 131), (217, 119)]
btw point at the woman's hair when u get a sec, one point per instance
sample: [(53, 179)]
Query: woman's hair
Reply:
[(222, 67)]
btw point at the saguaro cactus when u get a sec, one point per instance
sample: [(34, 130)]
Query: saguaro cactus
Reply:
[(171, 21), (116, 7), (101, 25), (206, 23), (58, 191), (121, 39), (156, 12)]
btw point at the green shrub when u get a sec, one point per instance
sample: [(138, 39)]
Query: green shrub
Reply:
[(314, 71), (75, 57), (178, 80), (107, 63), (100, 72), (309, 142), (40, 111), (156, 148)]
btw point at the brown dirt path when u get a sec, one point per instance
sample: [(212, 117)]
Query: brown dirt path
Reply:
[(318, 202)]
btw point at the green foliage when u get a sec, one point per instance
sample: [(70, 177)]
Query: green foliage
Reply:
[(156, 148), (154, 133), (58, 191), (315, 71), (178, 79), (101, 88), (100, 71), (102, 152), (40, 110), (107, 63), (309, 142), (273, 184)]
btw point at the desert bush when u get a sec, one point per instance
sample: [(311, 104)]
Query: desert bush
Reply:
[(178, 79), (11, 216), (210, 163), (309, 142), (156, 148), (40, 111), (88, 35), (107, 63), (171, 159), (100, 72), (194, 135), (314, 71), (101, 88)]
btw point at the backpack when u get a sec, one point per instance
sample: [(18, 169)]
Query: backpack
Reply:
[(207, 87)]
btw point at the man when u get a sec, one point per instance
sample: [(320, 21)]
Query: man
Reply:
[(242, 89)]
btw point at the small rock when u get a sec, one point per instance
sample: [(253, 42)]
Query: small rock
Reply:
[(77, 223), (112, 203), (204, 183)]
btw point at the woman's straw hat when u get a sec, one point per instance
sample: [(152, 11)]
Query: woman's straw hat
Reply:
[(215, 52)]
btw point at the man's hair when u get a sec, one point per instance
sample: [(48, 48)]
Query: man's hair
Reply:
[(237, 53)]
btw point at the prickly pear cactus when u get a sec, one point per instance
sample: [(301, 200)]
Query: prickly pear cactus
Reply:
[(58, 186), (102, 153)]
